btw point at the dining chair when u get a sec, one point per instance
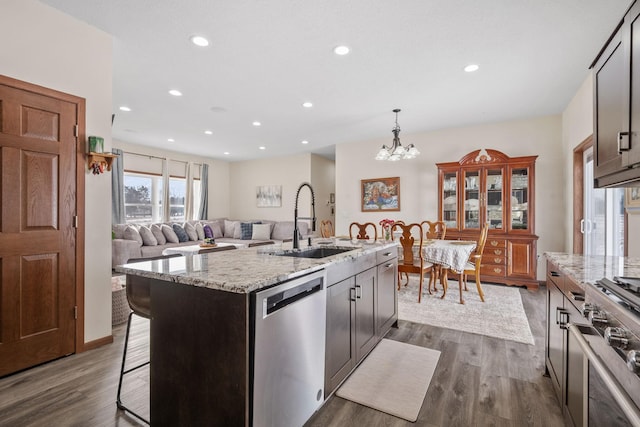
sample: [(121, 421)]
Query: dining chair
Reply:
[(410, 261), (326, 228), (362, 231), (473, 264), (434, 230)]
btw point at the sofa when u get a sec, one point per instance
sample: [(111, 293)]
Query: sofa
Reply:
[(135, 242)]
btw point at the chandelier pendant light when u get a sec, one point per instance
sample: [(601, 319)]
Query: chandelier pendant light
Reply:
[(397, 151)]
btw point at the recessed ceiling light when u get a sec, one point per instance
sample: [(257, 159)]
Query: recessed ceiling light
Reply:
[(171, 140), (257, 123), (199, 41), (262, 147), (341, 50), (471, 68), (307, 105), (208, 132), (125, 108), (305, 142), (175, 92), (226, 153)]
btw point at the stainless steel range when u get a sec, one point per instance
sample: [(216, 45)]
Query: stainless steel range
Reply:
[(610, 349)]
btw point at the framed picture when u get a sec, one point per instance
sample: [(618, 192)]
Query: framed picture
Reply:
[(269, 196), (632, 197), (381, 194)]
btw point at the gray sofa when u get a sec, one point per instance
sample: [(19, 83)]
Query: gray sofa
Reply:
[(127, 245)]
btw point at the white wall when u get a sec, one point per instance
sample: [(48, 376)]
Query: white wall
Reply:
[(218, 174), (419, 177), (323, 179), (40, 45)]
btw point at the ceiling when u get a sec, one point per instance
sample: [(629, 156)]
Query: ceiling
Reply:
[(267, 57)]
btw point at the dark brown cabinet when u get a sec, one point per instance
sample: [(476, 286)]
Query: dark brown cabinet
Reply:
[(487, 186), (360, 310), (616, 79)]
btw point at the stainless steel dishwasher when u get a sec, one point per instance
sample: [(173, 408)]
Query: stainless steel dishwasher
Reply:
[(288, 354)]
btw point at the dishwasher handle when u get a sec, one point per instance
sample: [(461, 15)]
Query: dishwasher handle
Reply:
[(282, 299)]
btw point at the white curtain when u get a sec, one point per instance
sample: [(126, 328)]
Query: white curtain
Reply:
[(117, 188), (166, 209), (204, 192)]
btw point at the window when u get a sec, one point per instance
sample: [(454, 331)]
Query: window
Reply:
[(142, 196), (177, 196)]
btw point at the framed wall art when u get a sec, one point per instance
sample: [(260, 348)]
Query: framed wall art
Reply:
[(269, 196), (381, 194)]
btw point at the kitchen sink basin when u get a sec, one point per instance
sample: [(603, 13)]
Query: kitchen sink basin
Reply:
[(322, 252)]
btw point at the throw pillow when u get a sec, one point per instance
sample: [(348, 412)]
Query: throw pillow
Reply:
[(182, 235), (131, 233), (208, 233), (217, 229), (148, 239), (158, 234), (246, 230), (191, 231), (230, 228), (169, 234), (200, 230), (261, 232), (237, 231)]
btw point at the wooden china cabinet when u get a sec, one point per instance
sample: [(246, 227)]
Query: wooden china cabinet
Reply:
[(489, 186)]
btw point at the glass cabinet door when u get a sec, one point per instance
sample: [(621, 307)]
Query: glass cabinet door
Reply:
[(450, 200), (519, 198), (494, 202), (471, 205)]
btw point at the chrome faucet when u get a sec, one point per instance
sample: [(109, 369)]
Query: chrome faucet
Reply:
[(296, 232)]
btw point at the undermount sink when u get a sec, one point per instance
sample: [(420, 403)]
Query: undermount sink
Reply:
[(322, 252)]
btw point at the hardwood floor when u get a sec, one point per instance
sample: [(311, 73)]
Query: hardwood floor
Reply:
[(479, 381)]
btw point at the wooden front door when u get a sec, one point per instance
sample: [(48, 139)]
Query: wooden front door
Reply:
[(37, 234)]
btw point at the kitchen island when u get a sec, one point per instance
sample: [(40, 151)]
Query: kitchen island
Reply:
[(203, 321)]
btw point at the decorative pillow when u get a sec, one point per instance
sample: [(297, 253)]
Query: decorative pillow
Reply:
[(169, 234), (261, 232), (148, 239), (208, 233), (131, 233), (229, 228), (246, 230), (237, 230), (191, 231), (158, 234), (216, 228), (200, 231), (182, 235)]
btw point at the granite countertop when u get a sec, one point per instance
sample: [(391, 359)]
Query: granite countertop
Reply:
[(246, 270), (588, 269)]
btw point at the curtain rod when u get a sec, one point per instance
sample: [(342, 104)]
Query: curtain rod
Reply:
[(150, 156)]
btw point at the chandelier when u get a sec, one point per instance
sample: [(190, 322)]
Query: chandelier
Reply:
[(397, 151)]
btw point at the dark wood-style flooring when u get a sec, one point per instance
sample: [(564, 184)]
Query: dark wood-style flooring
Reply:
[(479, 381)]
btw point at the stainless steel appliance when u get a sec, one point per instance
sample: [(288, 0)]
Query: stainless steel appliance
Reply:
[(607, 354), (289, 352)]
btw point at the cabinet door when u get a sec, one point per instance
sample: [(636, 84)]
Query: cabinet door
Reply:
[(340, 353), (633, 37), (520, 183), (449, 201), (555, 335), (471, 214), (365, 330), (387, 296), (611, 89), (493, 198), (575, 386), (520, 255)]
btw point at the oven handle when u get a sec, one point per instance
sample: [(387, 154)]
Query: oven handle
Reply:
[(628, 407)]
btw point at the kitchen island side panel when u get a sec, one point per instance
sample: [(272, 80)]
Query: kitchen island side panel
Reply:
[(199, 356)]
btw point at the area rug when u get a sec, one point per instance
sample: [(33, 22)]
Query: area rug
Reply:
[(388, 381), (501, 315)]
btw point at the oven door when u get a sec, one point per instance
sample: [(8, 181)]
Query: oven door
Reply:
[(605, 401)]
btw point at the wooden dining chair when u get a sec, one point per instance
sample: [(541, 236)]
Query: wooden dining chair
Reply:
[(363, 231), (434, 229), (412, 262), (326, 228), (473, 264)]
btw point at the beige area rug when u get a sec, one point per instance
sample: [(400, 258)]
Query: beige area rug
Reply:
[(387, 380), (501, 315)]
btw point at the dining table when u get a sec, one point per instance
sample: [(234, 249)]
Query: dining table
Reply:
[(447, 255)]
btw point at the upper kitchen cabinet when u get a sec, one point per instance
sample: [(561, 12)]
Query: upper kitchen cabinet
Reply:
[(616, 121), (487, 186)]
